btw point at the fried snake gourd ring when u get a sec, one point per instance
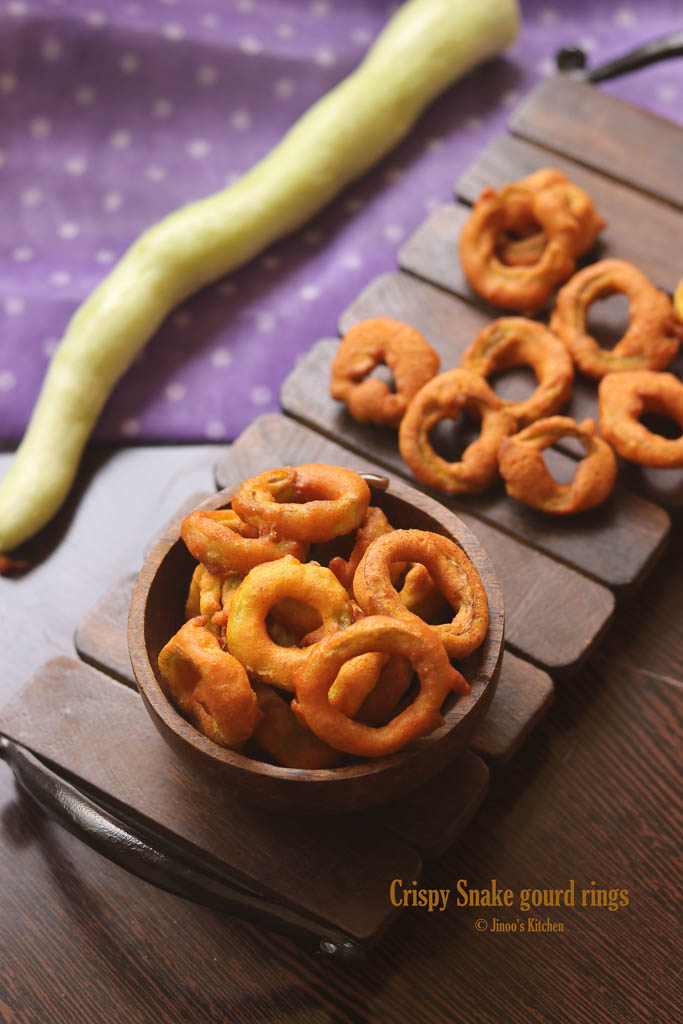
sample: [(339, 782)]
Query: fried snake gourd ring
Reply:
[(678, 300), (410, 358), (444, 397), (247, 634), (378, 633), (624, 397), (515, 341), (307, 503), (208, 685), (569, 224), (223, 543), (373, 526), (283, 736), (653, 336), (451, 572), (528, 479)]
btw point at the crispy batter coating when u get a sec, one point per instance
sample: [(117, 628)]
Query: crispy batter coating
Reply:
[(308, 503), (520, 274), (451, 572), (208, 685), (410, 358), (374, 525), (515, 341), (281, 735), (528, 479), (653, 336), (411, 640), (678, 300), (445, 397), (224, 543), (419, 594), (624, 397), (247, 634)]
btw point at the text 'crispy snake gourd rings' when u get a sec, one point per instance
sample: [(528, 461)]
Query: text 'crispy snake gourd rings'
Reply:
[(425, 47)]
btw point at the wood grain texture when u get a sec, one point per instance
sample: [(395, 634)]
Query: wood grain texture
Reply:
[(101, 638), (640, 230), (607, 134), (578, 608), (615, 544)]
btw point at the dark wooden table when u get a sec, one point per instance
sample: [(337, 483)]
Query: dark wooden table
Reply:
[(593, 796)]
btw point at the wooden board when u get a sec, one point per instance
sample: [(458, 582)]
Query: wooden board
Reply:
[(607, 134), (537, 590), (522, 695), (339, 868), (640, 229)]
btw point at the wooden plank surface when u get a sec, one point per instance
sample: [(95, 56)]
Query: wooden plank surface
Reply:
[(640, 229), (537, 590), (622, 141)]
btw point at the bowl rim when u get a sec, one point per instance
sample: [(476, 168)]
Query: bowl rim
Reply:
[(484, 677)]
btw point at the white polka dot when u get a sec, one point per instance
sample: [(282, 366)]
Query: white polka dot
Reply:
[(69, 229), (198, 148), (624, 17), (588, 43), (104, 256), (22, 254), (546, 66), (173, 31), (221, 357), (96, 19), (473, 124), (393, 174), (509, 98), (250, 44), (207, 75), (244, 6), (162, 108), (112, 202), (14, 306), (309, 292), (84, 95), (175, 392), (31, 196), (8, 380), (120, 139), (8, 82), (39, 127), (129, 63), (353, 204), (362, 36), (265, 322), (51, 49), (666, 92), (261, 395), (60, 278), (183, 318), (240, 120), (434, 145), (320, 8), (313, 238), (17, 8), (352, 261), (393, 232), (227, 288), (325, 57), (130, 427), (271, 263), (49, 347), (285, 32), (155, 173), (209, 21), (75, 165), (284, 88), (214, 430), (547, 16)]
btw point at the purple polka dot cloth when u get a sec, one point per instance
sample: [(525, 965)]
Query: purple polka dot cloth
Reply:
[(114, 113)]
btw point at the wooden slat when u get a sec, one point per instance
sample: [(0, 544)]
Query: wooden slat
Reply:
[(537, 590), (625, 142), (101, 638), (640, 229)]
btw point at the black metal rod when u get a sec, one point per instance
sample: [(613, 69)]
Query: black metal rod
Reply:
[(572, 58)]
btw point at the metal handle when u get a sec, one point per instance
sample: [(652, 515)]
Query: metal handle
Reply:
[(573, 58), (142, 853)]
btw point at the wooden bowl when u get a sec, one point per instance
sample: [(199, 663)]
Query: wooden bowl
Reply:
[(156, 613)]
